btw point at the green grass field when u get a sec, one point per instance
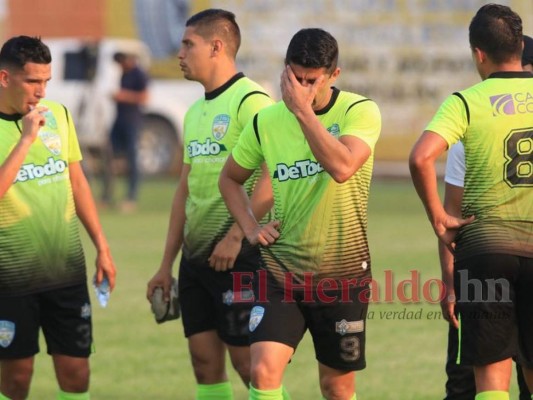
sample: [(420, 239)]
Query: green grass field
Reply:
[(137, 359)]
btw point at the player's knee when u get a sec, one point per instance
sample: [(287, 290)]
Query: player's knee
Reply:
[(207, 369), (264, 376), (17, 384), (335, 390), (242, 366), (74, 380)]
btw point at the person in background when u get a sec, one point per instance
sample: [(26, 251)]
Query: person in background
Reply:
[(460, 384), (43, 195), (124, 135), (492, 240), (213, 246)]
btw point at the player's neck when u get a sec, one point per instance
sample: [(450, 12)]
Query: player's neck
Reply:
[(219, 77)]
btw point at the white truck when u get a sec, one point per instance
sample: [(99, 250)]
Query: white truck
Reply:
[(84, 76)]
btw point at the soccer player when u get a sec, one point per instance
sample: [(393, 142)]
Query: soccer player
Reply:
[(43, 193), (200, 224), (460, 384), (318, 147), (493, 241)]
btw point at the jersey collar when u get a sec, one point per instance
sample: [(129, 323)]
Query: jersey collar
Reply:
[(218, 91), (331, 102), (511, 74), (10, 117)]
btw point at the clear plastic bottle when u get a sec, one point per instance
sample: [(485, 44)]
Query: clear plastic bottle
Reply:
[(102, 291)]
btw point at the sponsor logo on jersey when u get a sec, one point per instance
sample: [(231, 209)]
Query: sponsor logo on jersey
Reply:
[(220, 126), (256, 315), (32, 171), (335, 130), (7, 333), (300, 169), (52, 141), (512, 103), (209, 148)]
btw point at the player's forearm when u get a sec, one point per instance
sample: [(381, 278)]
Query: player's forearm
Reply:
[(176, 225), (86, 208), (333, 155), (261, 202), (424, 178), (12, 164), (238, 204)]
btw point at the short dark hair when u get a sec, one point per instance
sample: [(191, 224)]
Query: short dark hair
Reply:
[(216, 22), (497, 30), (313, 48), (20, 50)]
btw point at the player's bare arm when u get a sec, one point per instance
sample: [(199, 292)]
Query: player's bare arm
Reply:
[(163, 277), (88, 215), (341, 158), (31, 123), (226, 251), (453, 196), (231, 183), (422, 165)]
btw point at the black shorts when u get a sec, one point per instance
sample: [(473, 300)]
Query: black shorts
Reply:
[(208, 300), (338, 327), (63, 314), (494, 302)]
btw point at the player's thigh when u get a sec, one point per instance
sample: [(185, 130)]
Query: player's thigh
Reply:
[(19, 327), (273, 319), (338, 328), (66, 321), (485, 290), (198, 310)]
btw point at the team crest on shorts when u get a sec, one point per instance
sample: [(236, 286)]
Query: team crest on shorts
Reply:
[(85, 311), (7, 333), (220, 126), (52, 141), (227, 297), (256, 315)]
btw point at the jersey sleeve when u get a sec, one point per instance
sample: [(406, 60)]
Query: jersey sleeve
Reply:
[(74, 151), (455, 165), (450, 121), (251, 106), (363, 120), (247, 152)]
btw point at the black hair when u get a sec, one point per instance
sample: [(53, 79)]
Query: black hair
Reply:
[(497, 30), (217, 22), (20, 50), (313, 48)]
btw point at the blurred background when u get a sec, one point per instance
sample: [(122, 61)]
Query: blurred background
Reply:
[(407, 55)]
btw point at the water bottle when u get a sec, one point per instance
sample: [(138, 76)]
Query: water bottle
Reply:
[(102, 291)]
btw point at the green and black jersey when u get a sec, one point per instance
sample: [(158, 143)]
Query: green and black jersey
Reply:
[(40, 247), (323, 223), (494, 120), (211, 130)]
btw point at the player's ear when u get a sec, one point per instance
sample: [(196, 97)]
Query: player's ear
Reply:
[(216, 46), (4, 78)]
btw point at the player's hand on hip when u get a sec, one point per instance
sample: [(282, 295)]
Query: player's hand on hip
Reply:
[(447, 226), (225, 253), (265, 235)]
